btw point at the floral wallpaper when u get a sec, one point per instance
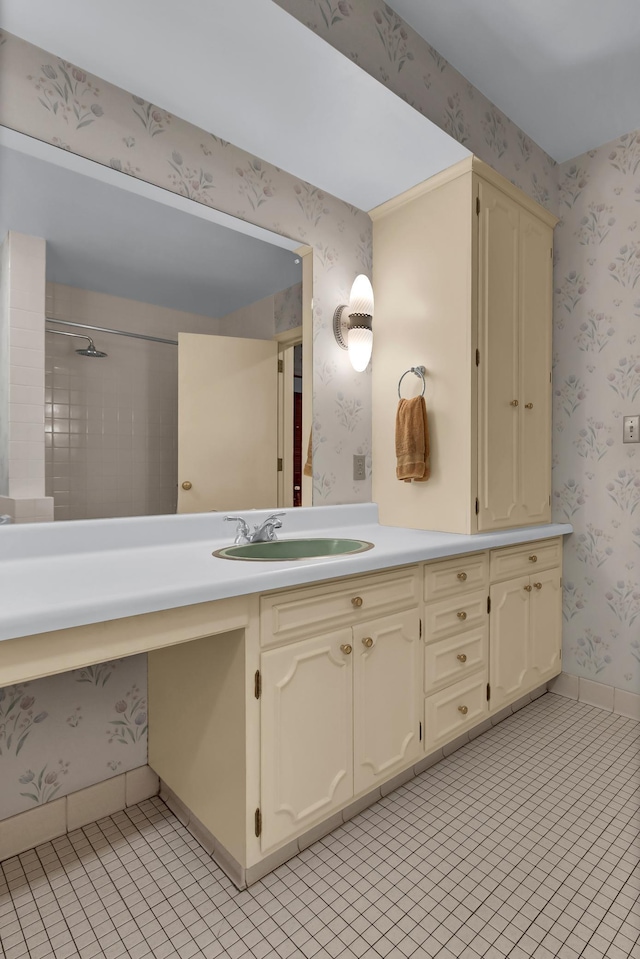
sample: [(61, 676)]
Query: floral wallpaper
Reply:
[(61, 734), (287, 308), (375, 37), (596, 482)]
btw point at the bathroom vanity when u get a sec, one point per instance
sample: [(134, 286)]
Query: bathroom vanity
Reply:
[(284, 697)]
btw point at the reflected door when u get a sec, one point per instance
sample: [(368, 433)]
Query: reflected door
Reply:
[(227, 423)]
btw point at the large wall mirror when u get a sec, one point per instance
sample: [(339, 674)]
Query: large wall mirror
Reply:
[(175, 342)]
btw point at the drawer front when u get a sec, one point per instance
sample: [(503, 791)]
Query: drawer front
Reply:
[(455, 658), (522, 560), (454, 710), (307, 612), (456, 576), (455, 615)]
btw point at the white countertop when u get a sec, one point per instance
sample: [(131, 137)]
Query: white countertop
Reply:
[(59, 575)]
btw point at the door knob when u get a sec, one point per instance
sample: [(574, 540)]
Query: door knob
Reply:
[(462, 577), (533, 559), (346, 649), (463, 709), (186, 485), (368, 642), (538, 585), (461, 657), (514, 403), (462, 614), (528, 406), (357, 601), (528, 588)]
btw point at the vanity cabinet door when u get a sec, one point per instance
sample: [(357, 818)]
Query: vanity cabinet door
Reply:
[(387, 697), (546, 626), (509, 640), (307, 733)]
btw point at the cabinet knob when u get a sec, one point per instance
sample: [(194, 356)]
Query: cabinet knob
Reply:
[(462, 614), (514, 403), (528, 406), (346, 649), (462, 577), (461, 657), (368, 642), (356, 601), (528, 588), (538, 585), (186, 485), (533, 559), (463, 709)]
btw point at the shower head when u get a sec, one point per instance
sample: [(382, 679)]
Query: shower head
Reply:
[(91, 350)]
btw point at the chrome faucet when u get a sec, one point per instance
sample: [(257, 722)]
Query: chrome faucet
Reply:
[(5, 520), (262, 533)]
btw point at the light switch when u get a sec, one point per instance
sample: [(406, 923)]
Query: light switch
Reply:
[(631, 429)]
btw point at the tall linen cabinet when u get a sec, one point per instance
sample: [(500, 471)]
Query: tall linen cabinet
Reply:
[(463, 267)]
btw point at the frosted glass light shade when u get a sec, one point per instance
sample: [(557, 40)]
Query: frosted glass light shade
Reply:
[(361, 298), (360, 347)]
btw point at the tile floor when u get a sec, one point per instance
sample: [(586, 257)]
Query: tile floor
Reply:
[(524, 843)]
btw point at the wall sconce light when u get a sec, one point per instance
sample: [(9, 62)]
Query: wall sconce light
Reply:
[(352, 323)]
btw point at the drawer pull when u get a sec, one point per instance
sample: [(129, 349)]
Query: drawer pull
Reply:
[(367, 642), (463, 709), (346, 649), (462, 577), (528, 406), (533, 559), (538, 585), (462, 614), (461, 657), (528, 588), (357, 601), (514, 403)]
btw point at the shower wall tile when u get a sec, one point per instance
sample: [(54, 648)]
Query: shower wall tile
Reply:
[(111, 424)]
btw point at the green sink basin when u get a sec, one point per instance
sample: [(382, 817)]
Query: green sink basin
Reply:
[(290, 549)]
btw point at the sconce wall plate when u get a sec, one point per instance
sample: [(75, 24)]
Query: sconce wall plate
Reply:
[(341, 326)]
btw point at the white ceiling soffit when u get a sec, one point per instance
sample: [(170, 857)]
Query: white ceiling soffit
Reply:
[(254, 75), (131, 242), (566, 71)]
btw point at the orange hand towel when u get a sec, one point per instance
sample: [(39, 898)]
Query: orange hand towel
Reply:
[(308, 466), (412, 441)]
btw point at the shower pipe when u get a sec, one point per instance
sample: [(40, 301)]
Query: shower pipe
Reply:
[(104, 329)]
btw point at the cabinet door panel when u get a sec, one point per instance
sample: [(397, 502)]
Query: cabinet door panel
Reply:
[(307, 734), (498, 374), (536, 271), (546, 626), (509, 640), (387, 697)]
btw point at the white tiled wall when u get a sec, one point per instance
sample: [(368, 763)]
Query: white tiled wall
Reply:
[(22, 297), (111, 424)]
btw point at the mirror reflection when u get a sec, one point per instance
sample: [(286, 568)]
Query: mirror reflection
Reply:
[(173, 349)]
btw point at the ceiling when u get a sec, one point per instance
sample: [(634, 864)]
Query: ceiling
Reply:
[(566, 71), (254, 75), (111, 240)]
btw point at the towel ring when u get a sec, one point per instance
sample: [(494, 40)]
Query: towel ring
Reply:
[(418, 371)]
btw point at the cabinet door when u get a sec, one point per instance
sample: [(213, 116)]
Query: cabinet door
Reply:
[(546, 626), (498, 373), (509, 640), (307, 733), (387, 697), (536, 271)]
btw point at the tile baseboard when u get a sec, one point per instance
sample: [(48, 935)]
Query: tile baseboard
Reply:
[(613, 700), (50, 820)]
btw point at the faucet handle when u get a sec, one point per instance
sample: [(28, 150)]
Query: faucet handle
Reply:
[(242, 529)]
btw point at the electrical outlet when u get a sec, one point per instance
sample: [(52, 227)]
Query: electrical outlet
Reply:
[(359, 467), (631, 429)]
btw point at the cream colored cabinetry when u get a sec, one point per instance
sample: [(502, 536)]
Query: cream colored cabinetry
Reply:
[(340, 711), (463, 282), (456, 647), (526, 621)]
